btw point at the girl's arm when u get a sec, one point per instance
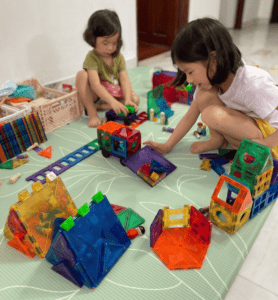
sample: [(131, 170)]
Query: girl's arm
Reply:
[(185, 124), (100, 90), (126, 87)]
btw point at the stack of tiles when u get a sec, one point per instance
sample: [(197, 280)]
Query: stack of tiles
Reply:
[(18, 135)]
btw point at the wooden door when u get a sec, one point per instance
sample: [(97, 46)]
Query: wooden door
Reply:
[(159, 21), (274, 16)]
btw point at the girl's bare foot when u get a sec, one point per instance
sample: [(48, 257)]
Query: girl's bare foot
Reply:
[(94, 121), (203, 146)]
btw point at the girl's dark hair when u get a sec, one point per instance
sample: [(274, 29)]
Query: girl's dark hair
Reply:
[(103, 23), (196, 40)]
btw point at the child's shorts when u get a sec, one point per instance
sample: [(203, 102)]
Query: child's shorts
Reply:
[(267, 130), (116, 91)]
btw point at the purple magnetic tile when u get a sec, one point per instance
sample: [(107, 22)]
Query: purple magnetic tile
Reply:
[(274, 178), (208, 155), (143, 156), (63, 270), (62, 250), (156, 227), (169, 73), (37, 149)]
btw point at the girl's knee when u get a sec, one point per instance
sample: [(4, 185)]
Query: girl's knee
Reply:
[(81, 76), (213, 114)]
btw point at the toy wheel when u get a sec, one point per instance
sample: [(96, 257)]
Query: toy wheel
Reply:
[(121, 161), (127, 121), (105, 153)]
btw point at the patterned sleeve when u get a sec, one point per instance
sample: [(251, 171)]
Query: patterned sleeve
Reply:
[(90, 62), (122, 66)]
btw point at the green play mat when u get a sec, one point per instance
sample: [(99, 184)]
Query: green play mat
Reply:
[(139, 274)]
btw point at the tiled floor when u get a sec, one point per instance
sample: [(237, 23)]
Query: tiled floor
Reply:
[(258, 277)]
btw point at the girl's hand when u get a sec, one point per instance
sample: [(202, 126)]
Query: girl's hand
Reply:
[(118, 107), (159, 147), (131, 103)]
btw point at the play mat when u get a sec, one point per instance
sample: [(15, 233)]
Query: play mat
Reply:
[(138, 274)]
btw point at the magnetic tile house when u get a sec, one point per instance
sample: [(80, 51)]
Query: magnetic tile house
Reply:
[(253, 165), (86, 247)]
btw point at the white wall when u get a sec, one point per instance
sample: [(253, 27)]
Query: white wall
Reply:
[(250, 10), (265, 9), (43, 38), (227, 16), (203, 8)]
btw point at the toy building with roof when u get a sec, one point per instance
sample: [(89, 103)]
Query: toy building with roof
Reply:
[(253, 165), (250, 181), (181, 243), (118, 139), (86, 247), (30, 221)]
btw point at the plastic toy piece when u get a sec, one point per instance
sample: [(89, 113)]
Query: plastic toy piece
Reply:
[(144, 156), (32, 147), (88, 251), (208, 155), (65, 163), (142, 117), (230, 217), (197, 135), (253, 165), (130, 219), (7, 165), (157, 167), (133, 233), (14, 178), (83, 210), (68, 224), (274, 177), (47, 152), (31, 219), (19, 162), (184, 222), (205, 165), (189, 87), (262, 201), (117, 208), (128, 119), (168, 129), (181, 247), (97, 197), (22, 156)]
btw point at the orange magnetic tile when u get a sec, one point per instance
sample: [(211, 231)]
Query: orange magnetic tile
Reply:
[(242, 200), (110, 127), (179, 248)]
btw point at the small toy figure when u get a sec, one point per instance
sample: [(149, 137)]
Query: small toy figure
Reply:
[(132, 232), (197, 135), (200, 127), (162, 118), (14, 178)]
